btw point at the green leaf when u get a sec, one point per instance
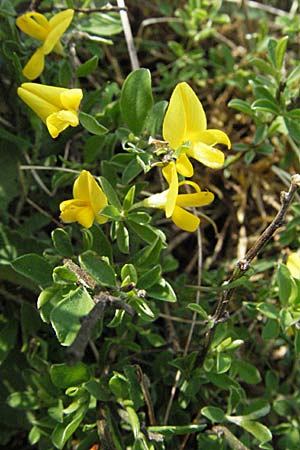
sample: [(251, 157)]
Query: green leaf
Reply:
[(62, 432), (128, 270), (271, 46), (198, 309), (64, 375), (110, 193), (288, 290), (223, 363), (101, 245), (271, 329), (142, 308), (247, 372), (136, 99), (265, 105), (280, 52), (62, 275), (162, 291), (34, 267), (119, 386), (293, 128), (66, 315), (258, 430), (129, 198), (91, 124), (241, 105), (169, 430), (131, 171), (293, 77), (257, 409), (215, 415), (133, 421), (268, 310), (122, 238), (155, 117), (263, 66), (145, 232), (149, 278), (117, 319), (103, 24), (88, 67), (99, 269), (150, 254), (62, 242)]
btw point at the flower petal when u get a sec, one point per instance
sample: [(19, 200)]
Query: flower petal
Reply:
[(185, 220), (184, 118), (207, 155), (86, 217), (98, 199), (58, 25), (174, 124), (170, 174), (63, 16), (184, 166), (59, 121), (40, 106), (81, 186), (213, 137), (156, 200), (195, 199), (51, 94), (35, 65), (71, 98), (34, 24), (77, 211), (293, 264)]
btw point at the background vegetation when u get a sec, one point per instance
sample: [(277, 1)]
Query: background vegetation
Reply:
[(149, 377)]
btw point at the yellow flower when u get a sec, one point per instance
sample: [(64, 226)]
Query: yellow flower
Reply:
[(49, 32), (87, 204), (293, 264), (185, 129), (172, 202), (56, 106)]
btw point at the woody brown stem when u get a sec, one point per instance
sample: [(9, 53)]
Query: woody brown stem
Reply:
[(243, 264)]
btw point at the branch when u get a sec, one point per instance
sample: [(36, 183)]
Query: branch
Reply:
[(76, 351), (243, 264)]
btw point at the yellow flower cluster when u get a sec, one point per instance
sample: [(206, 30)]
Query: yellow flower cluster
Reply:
[(185, 130), (49, 32), (57, 107)]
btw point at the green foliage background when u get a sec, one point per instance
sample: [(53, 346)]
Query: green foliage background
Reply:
[(141, 383)]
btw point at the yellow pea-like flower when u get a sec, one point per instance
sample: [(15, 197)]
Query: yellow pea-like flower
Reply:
[(87, 204), (174, 203), (57, 107), (49, 32), (185, 129)]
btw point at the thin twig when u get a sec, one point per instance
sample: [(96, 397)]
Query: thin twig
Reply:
[(42, 211), (128, 35), (59, 169), (37, 178), (244, 264)]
